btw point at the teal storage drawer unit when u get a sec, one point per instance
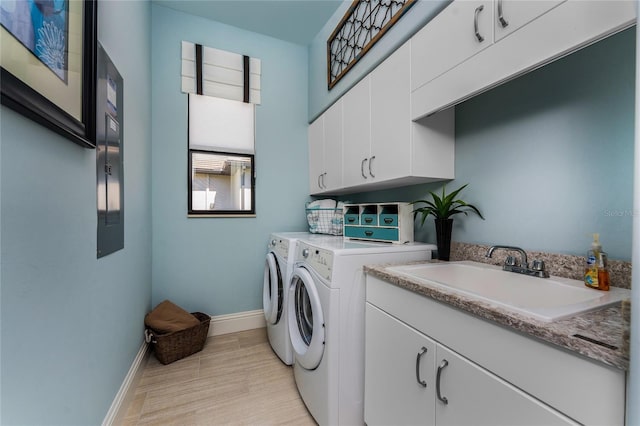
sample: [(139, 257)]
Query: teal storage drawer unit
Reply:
[(371, 233), (388, 222)]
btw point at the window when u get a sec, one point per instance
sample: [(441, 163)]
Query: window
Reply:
[(221, 157)]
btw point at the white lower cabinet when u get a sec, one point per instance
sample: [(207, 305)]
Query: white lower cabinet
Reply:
[(410, 380), (397, 357), (474, 396), (488, 374)]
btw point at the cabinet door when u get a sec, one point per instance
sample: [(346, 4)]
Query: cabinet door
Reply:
[(391, 117), (357, 134), (316, 155), (513, 14), (450, 38), (396, 357), (476, 397), (332, 178)]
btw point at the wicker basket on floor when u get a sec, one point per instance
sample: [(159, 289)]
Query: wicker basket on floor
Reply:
[(170, 347)]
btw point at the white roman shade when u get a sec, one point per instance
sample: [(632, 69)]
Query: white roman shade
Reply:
[(224, 74), (217, 124)]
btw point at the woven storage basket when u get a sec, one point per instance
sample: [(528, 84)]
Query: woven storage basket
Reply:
[(170, 347)]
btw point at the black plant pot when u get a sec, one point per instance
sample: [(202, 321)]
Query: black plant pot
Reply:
[(443, 237)]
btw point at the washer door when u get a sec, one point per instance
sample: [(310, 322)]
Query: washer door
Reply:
[(272, 292), (306, 321)]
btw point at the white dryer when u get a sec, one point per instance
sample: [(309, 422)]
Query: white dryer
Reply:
[(326, 322), (277, 275)]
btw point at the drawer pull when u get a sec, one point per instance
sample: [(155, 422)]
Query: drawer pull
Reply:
[(441, 367), (362, 168), (368, 233), (370, 165), (503, 22), (368, 219), (475, 23), (351, 219), (388, 220), (418, 358)]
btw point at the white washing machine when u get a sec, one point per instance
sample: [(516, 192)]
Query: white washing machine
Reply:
[(277, 275), (326, 322)]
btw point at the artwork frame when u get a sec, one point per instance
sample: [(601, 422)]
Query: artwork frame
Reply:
[(69, 108)]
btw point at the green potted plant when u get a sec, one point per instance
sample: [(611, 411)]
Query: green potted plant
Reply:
[(442, 208)]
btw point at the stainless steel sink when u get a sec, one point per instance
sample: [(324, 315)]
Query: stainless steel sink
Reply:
[(543, 299)]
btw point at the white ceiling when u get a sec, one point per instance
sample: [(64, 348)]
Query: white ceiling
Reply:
[(296, 21)]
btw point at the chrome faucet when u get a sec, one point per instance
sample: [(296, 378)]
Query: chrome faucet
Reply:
[(511, 265)]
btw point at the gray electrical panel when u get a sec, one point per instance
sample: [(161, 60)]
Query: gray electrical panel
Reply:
[(109, 155)]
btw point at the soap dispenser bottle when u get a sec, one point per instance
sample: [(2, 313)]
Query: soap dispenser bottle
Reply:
[(596, 274)]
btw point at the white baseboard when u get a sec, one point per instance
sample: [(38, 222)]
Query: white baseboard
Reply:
[(241, 321), (121, 402)]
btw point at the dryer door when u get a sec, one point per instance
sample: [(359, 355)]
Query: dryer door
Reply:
[(306, 321), (272, 291)]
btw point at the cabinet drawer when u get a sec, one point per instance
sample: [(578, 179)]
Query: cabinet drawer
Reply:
[(369, 219), (383, 234), (352, 219), (388, 219)]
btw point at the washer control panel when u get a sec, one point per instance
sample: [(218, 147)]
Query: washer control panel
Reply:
[(320, 260), (280, 246)]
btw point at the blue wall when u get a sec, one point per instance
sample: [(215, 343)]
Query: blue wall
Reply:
[(549, 156), (215, 265), (72, 324)]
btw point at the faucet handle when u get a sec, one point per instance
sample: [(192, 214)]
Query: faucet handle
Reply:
[(538, 265), (510, 261)]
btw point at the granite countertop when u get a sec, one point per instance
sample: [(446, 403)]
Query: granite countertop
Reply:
[(605, 325)]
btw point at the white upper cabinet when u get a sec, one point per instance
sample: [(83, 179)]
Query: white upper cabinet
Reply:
[(537, 33), (513, 14), (357, 134), (391, 137), (461, 30), (381, 147), (333, 147), (316, 155), (325, 151)]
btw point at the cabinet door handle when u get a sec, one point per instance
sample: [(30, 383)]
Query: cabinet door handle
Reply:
[(362, 168), (370, 163), (319, 184), (503, 21), (418, 358), (441, 367), (475, 23), (323, 184)]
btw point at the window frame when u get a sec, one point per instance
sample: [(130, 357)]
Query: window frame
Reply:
[(219, 213)]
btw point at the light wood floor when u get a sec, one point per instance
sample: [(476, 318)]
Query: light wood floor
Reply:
[(235, 380)]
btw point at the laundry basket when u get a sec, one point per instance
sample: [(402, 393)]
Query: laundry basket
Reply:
[(170, 347), (323, 219)]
